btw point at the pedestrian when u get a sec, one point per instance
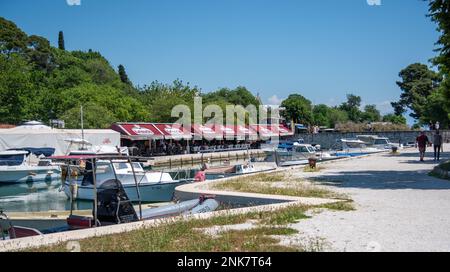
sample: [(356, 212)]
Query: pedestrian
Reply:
[(437, 142), (422, 142)]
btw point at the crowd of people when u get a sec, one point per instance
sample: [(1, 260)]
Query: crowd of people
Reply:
[(163, 148)]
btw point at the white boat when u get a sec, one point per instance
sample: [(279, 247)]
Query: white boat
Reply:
[(353, 148), (153, 186), (381, 143), (16, 166), (300, 154)]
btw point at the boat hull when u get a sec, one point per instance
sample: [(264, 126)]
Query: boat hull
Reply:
[(19, 175), (156, 192)]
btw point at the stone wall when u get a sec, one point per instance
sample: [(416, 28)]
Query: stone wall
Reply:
[(328, 140)]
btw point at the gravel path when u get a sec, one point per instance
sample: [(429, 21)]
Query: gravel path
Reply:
[(398, 206)]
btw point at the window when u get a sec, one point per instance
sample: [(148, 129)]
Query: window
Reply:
[(11, 160)]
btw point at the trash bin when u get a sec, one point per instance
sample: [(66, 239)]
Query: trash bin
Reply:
[(394, 149)]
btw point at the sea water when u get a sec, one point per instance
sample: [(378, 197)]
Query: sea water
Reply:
[(37, 197)]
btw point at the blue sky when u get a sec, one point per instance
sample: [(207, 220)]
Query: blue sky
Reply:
[(321, 49)]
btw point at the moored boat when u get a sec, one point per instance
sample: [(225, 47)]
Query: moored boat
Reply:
[(16, 166)]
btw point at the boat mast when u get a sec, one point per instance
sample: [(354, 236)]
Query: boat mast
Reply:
[(82, 127)]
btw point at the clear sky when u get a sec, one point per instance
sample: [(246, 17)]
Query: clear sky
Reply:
[(322, 49)]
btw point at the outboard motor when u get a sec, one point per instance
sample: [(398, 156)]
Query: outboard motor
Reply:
[(113, 204)]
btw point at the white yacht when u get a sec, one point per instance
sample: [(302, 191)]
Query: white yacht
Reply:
[(377, 142), (353, 148), (154, 186), (17, 166)]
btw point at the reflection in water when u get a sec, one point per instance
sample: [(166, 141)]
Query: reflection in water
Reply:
[(36, 197)]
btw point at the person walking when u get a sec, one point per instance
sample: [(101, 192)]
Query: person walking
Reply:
[(437, 142), (422, 142)]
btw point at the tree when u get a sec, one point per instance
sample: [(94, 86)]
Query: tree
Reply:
[(298, 109), (15, 86), (123, 75), (395, 119), (371, 114), (435, 110), (337, 116), (439, 11), (417, 83), (12, 39), (61, 44), (321, 115), (351, 107), (94, 116)]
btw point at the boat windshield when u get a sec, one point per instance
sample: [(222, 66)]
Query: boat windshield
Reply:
[(11, 160), (126, 166), (381, 141), (303, 149), (354, 145)]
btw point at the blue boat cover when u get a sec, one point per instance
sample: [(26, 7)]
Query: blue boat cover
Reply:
[(46, 151)]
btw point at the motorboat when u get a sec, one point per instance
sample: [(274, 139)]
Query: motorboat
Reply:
[(25, 165), (353, 148), (381, 143), (153, 186), (111, 204), (300, 154)]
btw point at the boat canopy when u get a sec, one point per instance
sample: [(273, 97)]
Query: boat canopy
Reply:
[(46, 151)]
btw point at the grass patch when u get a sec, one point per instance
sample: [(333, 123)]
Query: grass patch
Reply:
[(279, 184), (308, 169), (184, 236), (340, 206), (445, 166), (441, 171)]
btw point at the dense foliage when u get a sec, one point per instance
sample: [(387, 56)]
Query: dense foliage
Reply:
[(439, 11), (426, 93), (41, 82)]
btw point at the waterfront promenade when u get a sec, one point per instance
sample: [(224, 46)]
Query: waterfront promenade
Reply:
[(399, 207)]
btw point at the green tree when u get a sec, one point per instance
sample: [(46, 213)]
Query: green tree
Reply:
[(371, 114), (123, 75), (417, 83), (61, 43), (337, 116), (94, 116), (439, 11), (435, 109), (12, 39), (395, 119), (321, 115), (351, 107), (15, 87), (298, 109)]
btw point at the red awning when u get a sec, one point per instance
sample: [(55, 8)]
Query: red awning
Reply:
[(144, 131), (245, 132), (266, 131), (284, 131), (174, 131), (208, 132)]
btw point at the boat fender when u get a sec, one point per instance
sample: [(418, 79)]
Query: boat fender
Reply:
[(74, 190), (63, 175)]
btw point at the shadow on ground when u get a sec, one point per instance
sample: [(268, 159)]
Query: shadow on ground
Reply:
[(390, 179)]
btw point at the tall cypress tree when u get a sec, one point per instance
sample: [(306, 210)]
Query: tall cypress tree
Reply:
[(61, 44), (123, 75)]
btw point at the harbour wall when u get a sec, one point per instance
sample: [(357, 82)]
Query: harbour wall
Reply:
[(328, 140)]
